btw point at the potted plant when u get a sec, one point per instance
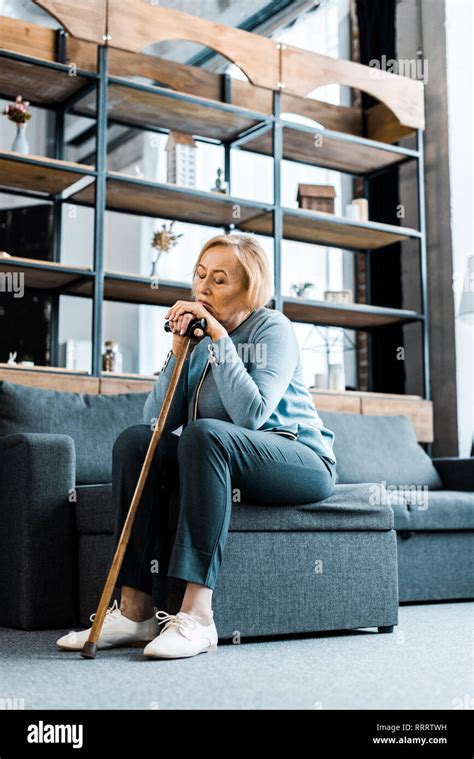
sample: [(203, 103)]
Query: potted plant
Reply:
[(301, 290), (18, 113)]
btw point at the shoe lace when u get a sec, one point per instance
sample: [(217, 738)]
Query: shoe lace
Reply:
[(112, 613), (183, 621)]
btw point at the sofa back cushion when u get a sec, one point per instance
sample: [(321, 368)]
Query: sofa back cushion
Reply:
[(93, 422), (379, 449)]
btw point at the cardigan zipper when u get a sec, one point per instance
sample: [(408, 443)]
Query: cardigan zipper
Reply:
[(286, 433), (291, 435), (199, 388)]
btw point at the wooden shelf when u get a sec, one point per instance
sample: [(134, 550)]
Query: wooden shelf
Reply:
[(129, 195), (128, 375), (139, 290), (325, 229), (41, 85), (418, 410), (47, 275), (351, 157), (133, 289), (353, 316), (39, 368), (78, 281), (365, 394), (39, 174), (157, 107), (169, 201), (126, 288)]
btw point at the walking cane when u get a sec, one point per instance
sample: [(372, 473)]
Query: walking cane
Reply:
[(89, 649)]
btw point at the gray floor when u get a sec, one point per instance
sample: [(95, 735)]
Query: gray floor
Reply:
[(425, 664)]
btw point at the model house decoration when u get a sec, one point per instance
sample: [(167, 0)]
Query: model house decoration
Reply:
[(181, 159), (316, 197)]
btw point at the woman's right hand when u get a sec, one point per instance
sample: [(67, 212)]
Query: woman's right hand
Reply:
[(178, 341)]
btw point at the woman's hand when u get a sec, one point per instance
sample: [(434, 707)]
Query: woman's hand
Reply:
[(182, 313)]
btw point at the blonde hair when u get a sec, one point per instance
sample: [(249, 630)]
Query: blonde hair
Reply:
[(254, 263)]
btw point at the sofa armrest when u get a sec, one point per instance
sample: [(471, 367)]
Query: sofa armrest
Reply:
[(457, 474), (38, 557)]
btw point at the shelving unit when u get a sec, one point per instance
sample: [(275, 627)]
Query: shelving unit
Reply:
[(345, 153), (39, 175), (214, 109), (145, 198), (354, 316)]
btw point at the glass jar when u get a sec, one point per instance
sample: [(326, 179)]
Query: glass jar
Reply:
[(112, 358)]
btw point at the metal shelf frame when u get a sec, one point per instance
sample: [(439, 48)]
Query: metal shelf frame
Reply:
[(99, 81)]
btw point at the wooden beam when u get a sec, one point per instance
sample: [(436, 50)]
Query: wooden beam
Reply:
[(27, 39), (383, 126), (304, 71), (133, 25), (416, 409), (49, 378), (113, 385), (86, 19), (41, 42)]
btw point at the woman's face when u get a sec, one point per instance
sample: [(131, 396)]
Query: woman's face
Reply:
[(219, 284)]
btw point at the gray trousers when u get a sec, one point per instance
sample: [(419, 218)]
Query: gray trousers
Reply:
[(210, 465)]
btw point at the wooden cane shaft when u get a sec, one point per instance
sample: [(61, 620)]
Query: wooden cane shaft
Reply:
[(127, 528)]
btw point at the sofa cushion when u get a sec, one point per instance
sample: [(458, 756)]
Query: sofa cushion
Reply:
[(93, 422), (379, 449), (428, 510), (350, 507)]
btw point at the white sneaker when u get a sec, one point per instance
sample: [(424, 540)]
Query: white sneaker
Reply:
[(117, 630), (183, 635)]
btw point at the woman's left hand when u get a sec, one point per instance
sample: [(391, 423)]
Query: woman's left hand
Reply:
[(183, 312)]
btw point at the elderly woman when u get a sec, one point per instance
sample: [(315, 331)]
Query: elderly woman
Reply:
[(241, 420)]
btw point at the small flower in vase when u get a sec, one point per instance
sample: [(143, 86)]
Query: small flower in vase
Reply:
[(163, 241), (18, 113)]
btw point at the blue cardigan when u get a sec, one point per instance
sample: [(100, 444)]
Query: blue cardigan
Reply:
[(258, 373)]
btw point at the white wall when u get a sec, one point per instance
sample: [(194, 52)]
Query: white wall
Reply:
[(459, 41)]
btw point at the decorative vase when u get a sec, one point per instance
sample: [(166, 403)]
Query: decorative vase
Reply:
[(154, 266), (20, 144), (336, 377)]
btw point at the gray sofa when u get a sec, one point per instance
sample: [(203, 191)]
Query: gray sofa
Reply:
[(330, 565)]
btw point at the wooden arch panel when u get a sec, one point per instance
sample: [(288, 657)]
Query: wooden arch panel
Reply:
[(135, 24), (303, 71), (86, 19), (132, 25)]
